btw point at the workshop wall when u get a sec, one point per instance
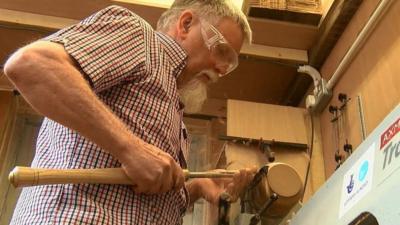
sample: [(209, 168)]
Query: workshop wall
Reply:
[(5, 100), (7, 109), (374, 76)]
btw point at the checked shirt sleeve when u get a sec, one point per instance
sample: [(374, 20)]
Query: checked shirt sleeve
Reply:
[(108, 46)]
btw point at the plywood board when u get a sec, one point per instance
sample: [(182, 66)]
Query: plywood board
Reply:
[(269, 122)]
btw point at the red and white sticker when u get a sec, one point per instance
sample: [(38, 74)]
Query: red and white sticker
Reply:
[(390, 133)]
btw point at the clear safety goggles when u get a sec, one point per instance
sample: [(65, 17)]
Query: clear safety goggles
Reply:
[(225, 56)]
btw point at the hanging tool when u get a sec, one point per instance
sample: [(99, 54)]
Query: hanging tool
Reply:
[(336, 134), (224, 207), (257, 217)]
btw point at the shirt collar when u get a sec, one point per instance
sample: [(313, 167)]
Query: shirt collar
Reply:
[(176, 54)]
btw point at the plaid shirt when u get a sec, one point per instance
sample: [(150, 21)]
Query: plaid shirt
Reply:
[(133, 70)]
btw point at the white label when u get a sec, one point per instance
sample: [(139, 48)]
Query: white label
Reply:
[(357, 181)]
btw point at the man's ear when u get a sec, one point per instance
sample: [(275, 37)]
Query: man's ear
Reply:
[(185, 22)]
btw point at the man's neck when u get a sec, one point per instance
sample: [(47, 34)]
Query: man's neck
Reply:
[(183, 78)]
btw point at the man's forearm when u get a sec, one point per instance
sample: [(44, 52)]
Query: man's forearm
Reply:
[(55, 88)]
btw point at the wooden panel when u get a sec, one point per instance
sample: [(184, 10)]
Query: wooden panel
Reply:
[(254, 80), (5, 102), (317, 173), (19, 152), (282, 34), (294, 56), (270, 122), (373, 74), (298, 16)]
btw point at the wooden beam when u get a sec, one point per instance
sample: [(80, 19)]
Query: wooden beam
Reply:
[(167, 3), (52, 23), (275, 53), (339, 15), (285, 15), (282, 34), (160, 4)]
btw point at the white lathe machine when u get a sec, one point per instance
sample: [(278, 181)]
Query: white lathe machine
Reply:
[(365, 190)]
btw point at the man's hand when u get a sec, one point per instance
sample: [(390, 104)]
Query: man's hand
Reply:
[(211, 189), (151, 170)]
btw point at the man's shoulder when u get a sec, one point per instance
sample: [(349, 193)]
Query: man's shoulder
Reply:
[(116, 11)]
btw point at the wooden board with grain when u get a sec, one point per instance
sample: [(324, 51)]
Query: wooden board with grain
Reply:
[(269, 122)]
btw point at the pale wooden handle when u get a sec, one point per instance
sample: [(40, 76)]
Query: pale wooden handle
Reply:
[(27, 176)]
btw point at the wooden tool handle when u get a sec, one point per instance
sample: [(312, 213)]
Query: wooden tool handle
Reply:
[(27, 176)]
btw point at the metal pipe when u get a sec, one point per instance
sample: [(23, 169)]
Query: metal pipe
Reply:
[(307, 69), (360, 40)]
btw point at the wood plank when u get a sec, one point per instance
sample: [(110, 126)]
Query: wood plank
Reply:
[(6, 99), (19, 152), (294, 16), (282, 34), (317, 176), (36, 20), (255, 80), (270, 122), (294, 56)]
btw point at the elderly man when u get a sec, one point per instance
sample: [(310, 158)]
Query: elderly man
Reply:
[(113, 92)]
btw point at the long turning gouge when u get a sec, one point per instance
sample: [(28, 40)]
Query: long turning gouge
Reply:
[(27, 176)]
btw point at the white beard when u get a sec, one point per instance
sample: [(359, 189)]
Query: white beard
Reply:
[(194, 93)]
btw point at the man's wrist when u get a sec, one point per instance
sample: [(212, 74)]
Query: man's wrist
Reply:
[(127, 147), (194, 188)]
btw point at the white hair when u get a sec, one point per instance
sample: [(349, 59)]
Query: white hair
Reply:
[(211, 10)]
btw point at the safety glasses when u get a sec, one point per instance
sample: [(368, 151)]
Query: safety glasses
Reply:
[(225, 56)]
